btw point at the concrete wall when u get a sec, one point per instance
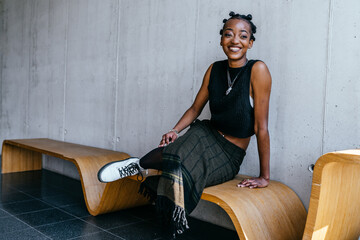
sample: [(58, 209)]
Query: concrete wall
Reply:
[(117, 74)]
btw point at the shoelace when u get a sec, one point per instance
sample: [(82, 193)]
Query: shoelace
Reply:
[(130, 170)]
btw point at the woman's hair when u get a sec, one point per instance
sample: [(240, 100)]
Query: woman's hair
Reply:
[(246, 18)]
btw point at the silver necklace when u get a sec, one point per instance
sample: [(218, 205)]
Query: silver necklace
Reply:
[(231, 83)]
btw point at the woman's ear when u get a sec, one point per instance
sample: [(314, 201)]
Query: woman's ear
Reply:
[(251, 44)]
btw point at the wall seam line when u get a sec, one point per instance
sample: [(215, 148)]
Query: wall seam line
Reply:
[(195, 53), (2, 43), (32, 9), (65, 68), (116, 73), (328, 71)]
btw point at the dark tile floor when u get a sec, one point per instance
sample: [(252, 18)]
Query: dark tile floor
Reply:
[(46, 205)]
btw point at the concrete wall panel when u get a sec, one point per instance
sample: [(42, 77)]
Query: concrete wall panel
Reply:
[(15, 69), (295, 121), (47, 63), (297, 58), (90, 71), (156, 48), (342, 111)]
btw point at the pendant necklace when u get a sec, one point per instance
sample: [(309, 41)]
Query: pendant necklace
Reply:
[(231, 83)]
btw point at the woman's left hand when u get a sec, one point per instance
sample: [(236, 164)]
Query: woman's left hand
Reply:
[(258, 182)]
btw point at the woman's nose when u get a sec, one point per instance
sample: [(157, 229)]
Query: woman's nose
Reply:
[(236, 39)]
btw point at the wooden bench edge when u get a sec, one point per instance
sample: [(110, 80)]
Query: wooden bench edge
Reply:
[(228, 210)]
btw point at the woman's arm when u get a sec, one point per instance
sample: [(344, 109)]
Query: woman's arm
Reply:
[(261, 87), (192, 113)]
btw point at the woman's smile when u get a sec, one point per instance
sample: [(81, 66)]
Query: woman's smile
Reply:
[(235, 49)]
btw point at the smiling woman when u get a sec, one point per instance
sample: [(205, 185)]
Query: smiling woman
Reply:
[(211, 151), (237, 38)]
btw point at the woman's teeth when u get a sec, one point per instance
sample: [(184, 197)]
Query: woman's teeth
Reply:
[(235, 49)]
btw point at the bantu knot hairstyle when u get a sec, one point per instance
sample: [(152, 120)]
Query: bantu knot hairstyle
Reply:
[(246, 18)]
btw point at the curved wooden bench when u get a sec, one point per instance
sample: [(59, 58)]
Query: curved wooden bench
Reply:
[(334, 211), (26, 154), (274, 212)]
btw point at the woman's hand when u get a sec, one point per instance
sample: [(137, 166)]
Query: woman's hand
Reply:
[(168, 138), (258, 182)]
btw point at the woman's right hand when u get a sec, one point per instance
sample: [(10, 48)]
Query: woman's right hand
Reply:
[(168, 138)]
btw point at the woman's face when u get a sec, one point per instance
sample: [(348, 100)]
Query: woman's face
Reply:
[(235, 40)]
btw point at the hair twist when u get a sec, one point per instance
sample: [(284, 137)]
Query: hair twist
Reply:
[(247, 18)]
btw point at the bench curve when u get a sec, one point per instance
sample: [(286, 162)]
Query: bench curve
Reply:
[(274, 212)]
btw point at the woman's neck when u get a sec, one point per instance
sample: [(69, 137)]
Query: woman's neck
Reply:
[(238, 63)]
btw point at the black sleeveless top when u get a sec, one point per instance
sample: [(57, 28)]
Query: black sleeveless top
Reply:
[(231, 114)]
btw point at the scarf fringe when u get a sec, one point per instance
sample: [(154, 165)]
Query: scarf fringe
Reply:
[(172, 214), (147, 192)]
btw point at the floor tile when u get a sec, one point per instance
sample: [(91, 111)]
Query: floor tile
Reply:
[(78, 210), (73, 188), (11, 224), (23, 180), (147, 230), (97, 236), (63, 200), (139, 231), (202, 230), (44, 217), (6, 188), (25, 206), (27, 234), (185, 236), (147, 212), (60, 181), (112, 220), (3, 213), (12, 197), (44, 191), (68, 229)]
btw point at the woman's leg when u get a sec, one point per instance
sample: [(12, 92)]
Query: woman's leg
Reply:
[(153, 159)]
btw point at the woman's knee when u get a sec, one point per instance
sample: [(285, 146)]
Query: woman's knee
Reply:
[(153, 159)]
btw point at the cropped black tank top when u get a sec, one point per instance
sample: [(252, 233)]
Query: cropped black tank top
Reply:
[(231, 114)]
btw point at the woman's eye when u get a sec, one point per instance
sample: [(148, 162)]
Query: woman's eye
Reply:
[(227, 34), (244, 37)]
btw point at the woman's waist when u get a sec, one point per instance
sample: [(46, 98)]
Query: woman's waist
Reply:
[(240, 142), (241, 128), (232, 144)]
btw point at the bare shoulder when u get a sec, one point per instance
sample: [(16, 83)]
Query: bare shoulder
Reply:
[(209, 68), (207, 75), (260, 68), (260, 73)]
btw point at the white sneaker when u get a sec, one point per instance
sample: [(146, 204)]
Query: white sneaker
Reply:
[(119, 169)]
